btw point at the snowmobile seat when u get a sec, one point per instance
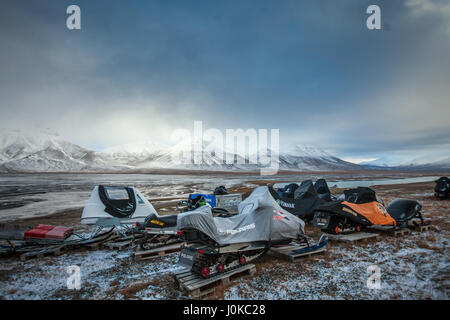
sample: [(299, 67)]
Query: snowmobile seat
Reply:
[(156, 221)]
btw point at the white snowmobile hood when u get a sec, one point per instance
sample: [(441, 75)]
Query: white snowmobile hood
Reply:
[(96, 212)]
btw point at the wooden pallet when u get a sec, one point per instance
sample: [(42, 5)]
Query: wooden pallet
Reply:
[(420, 228), (287, 252), (97, 243), (196, 287), (391, 231), (56, 251), (120, 243), (157, 252), (351, 237)]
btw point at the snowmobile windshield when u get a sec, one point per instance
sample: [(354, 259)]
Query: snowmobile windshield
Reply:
[(442, 185), (305, 190), (360, 195), (120, 202), (289, 190), (322, 189), (219, 191), (403, 209)]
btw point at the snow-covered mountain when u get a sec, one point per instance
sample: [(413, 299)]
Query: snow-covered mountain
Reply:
[(425, 161), (48, 152), (309, 158), (45, 152)]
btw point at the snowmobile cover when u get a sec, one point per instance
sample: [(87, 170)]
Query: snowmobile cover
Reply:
[(360, 195), (323, 192), (260, 218)]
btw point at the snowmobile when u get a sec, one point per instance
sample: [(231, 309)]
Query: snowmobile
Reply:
[(215, 245), (362, 208), (160, 231), (220, 190), (442, 188), (300, 200), (115, 206)]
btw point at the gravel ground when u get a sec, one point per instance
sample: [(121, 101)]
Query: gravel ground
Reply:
[(412, 267)]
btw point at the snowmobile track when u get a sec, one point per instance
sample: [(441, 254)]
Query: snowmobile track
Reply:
[(351, 237), (157, 252), (288, 252), (197, 287)]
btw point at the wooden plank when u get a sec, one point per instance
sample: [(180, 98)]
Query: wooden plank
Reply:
[(290, 255), (42, 252), (119, 245), (197, 287), (420, 228), (157, 252), (391, 230), (351, 237)]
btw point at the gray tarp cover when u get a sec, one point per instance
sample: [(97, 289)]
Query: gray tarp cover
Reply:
[(260, 218)]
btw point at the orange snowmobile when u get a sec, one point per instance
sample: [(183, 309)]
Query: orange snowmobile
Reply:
[(362, 208)]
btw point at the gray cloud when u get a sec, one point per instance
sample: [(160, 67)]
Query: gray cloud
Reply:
[(140, 69)]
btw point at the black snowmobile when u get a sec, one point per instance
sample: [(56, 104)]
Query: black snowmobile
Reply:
[(301, 200), (160, 231), (362, 208), (216, 245), (442, 188)]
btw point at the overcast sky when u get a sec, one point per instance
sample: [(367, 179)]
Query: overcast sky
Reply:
[(140, 69)]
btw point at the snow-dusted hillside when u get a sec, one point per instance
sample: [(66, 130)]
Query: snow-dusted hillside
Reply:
[(439, 161), (47, 152)]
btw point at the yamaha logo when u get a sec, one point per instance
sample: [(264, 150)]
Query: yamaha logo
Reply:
[(285, 204)]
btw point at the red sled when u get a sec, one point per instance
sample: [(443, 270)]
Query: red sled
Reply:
[(45, 227), (59, 233), (35, 233)]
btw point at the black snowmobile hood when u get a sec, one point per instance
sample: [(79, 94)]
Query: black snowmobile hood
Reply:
[(403, 209), (322, 189), (303, 203)]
